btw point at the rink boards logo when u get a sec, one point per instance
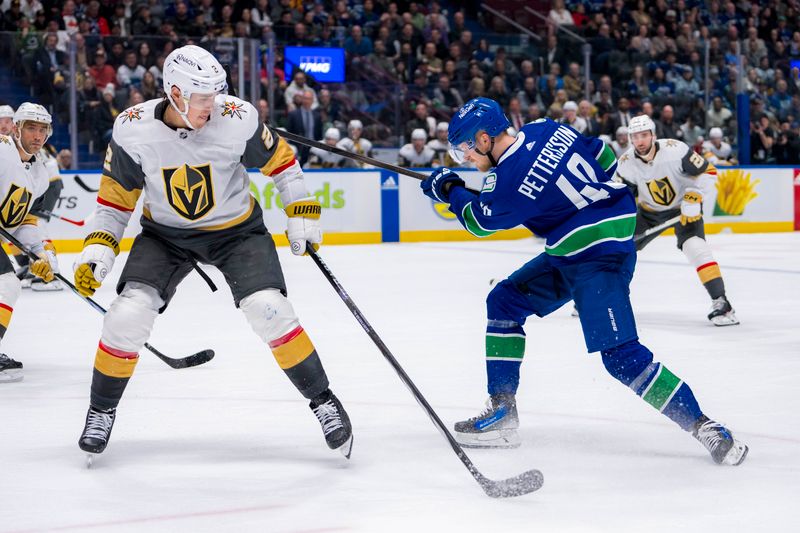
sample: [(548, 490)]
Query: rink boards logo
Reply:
[(442, 211), (189, 190), (662, 191), (15, 206)]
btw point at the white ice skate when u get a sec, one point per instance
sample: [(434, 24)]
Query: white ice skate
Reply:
[(725, 449), (722, 313), (495, 427)]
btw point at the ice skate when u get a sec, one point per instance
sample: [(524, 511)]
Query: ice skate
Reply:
[(720, 442), (39, 285), (10, 370), (495, 427), (334, 421), (722, 313), (97, 431)]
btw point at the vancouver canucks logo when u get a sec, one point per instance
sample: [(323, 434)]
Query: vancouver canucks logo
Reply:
[(489, 183), (662, 191), (232, 109), (189, 190), (129, 115), (15, 206)]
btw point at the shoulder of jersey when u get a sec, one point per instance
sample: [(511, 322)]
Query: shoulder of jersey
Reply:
[(627, 158), (671, 148), (233, 118), (136, 123), (7, 146)]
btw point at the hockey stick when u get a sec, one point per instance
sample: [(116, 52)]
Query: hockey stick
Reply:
[(82, 184), (198, 358), (516, 486), (657, 229), (55, 215)]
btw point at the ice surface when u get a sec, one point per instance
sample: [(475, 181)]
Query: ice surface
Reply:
[(230, 446)]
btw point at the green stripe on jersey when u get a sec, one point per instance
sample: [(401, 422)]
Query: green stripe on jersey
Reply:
[(505, 346), (471, 223), (611, 229), (662, 388), (606, 158)]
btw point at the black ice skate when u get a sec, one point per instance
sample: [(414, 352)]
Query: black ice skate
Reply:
[(97, 431), (10, 370), (720, 442), (722, 313), (495, 427), (334, 421)]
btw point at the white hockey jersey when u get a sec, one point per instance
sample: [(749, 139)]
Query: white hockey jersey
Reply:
[(661, 182), (409, 157), (192, 179), (324, 159), (21, 183), (362, 146)]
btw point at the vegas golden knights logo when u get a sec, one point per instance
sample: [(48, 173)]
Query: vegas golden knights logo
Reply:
[(189, 190), (15, 206), (662, 191)]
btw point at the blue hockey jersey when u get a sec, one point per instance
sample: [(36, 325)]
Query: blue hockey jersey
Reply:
[(557, 183)]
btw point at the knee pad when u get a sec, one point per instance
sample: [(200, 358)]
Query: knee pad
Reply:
[(10, 289), (130, 318), (697, 251), (628, 362), (269, 313)]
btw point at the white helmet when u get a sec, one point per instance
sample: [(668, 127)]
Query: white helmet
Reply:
[(6, 111), (641, 123), (333, 133), (29, 111), (355, 125), (715, 133), (192, 70)]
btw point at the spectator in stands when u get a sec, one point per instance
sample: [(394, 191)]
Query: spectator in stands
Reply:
[(116, 55), (686, 85), (103, 119), (445, 97), (297, 86), (528, 95), (781, 100), (64, 159), (534, 112), (786, 149), (666, 126), (89, 98), (560, 15), (621, 116), (571, 118), (68, 19), (586, 112), (305, 121), (131, 73), (144, 23), (98, 24), (329, 112), (49, 65), (659, 86), (476, 88), (482, 54), (554, 53), (432, 64), (145, 54), (621, 142), (718, 116), (762, 137), (102, 73), (516, 113), (416, 153), (498, 92), (422, 120), (691, 131), (573, 82), (716, 150), (259, 14), (149, 88)]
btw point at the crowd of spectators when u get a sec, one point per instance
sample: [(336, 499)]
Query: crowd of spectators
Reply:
[(410, 65)]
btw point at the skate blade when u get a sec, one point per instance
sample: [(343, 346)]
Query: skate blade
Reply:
[(47, 287), (728, 319), (346, 448), (504, 438), (736, 455), (12, 375)]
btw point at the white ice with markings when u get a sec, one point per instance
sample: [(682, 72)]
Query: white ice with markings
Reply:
[(231, 446)]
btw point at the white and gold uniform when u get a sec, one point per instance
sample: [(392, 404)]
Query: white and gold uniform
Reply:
[(362, 147)]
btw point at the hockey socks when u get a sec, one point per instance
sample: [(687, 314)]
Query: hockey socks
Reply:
[(698, 252), (298, 358), (632, 364), (112, 370), (505, 348)]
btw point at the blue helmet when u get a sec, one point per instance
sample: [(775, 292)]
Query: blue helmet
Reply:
[(479, 114)]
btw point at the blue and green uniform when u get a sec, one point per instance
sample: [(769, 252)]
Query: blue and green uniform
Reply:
[(557, 183)]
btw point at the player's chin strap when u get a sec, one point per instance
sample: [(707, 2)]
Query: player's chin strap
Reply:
[(184, 115), (488, 154)]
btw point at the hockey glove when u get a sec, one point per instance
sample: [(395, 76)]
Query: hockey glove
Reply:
[(47, 265), (691, 206), (100, 248), (303, 225), (438, 185)]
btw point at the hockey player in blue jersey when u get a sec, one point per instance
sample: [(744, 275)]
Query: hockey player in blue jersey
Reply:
[(557, 183)]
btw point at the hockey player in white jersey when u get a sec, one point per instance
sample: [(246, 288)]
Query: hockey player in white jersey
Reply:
[(667, 178), (416, 154), (354, 142), (23, 180), (320, 158), (441, 148), (187, 155)]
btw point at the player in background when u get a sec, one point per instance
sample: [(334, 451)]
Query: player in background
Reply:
[(355, 143), (43, 208), (23, 180), (669, 179), (186, 154), (441, 147), (557, 183), (717, 151), (416, 154), (324, 159)]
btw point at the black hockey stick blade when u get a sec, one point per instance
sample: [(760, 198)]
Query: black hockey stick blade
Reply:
[(82, 184), (199, 358), (525, 483)]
